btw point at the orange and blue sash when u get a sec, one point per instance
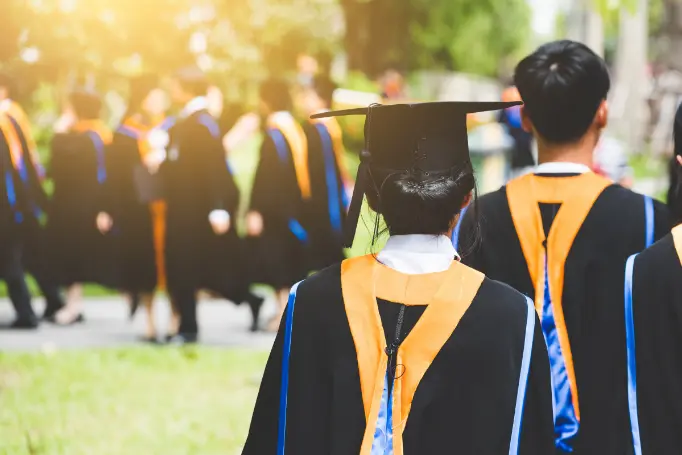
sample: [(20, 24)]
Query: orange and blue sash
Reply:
[(545, 258), (334, 200)]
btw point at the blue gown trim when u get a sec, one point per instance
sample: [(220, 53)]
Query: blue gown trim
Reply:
[(127, 131), (632, 364), (523, 378), (455, 231), (284, 389), (331, 179), (209, 122), (382, 444), (99, 149), (282, 148), (649, 217), (566, 423)]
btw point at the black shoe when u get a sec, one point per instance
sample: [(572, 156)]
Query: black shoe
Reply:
[(255, 304), (149, 340), (49, 314), (25, 324), (134, 305), (184, 339), (77, 320)]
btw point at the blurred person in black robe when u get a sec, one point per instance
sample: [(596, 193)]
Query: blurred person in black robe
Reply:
[(277, 221), (78, 253), (562, 235), (203, 250), (407, 351), (132, 198), (328, 177), (653, 310), (14, 208), (32, 175)]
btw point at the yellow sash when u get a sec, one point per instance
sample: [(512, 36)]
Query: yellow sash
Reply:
[(12, 138), (677, 238), (156, 208), (97, 126), (576, 195), (292, 131), (448, 295), (336, 134)]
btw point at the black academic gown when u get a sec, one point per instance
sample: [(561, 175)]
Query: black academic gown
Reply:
[(456, 385), (279, 254), (132, 217), (328, 201), (77, 251), (593, 274), (657, 310), (13, 210), (196, 181)]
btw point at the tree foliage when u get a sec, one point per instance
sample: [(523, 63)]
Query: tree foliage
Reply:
[(474, 36)]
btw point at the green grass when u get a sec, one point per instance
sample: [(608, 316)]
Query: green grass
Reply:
[(129, 401)]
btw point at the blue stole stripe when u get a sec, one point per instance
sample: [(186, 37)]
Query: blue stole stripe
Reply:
[(455, 231), (284, 389), (630, 327), (565, 420), (128, 131), (330, 178), (209, 122), (21, 168), (282, 148), (649, 217), (523, 378), (382, 443), (632, 364), (99, 149)]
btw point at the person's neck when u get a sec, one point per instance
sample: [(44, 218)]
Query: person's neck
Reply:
[(580, 152)]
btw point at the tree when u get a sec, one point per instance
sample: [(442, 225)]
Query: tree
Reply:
[(465, 35)]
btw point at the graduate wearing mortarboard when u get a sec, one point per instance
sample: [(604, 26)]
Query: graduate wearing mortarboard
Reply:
[(31, 173), (407, 352), (653, 304), (277, 222), (328, 177), (132, 199), (78, 253), (202, 248), (562, 236)]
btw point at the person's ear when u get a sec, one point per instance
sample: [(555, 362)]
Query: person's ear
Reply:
[(526, 122), (602, 118)]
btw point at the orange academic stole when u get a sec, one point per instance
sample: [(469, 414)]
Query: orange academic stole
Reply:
[(577, 195), (448, 295)]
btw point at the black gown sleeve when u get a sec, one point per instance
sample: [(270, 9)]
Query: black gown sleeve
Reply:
[(662, 221), (309, 393), (263, 195), (537, 429)]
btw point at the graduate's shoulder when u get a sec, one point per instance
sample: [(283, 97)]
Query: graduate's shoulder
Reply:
[(324, 285), (621, 198), (200, 122), (658, 261), (501, 300)]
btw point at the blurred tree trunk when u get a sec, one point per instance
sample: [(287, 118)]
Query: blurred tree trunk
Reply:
[(670, 35)]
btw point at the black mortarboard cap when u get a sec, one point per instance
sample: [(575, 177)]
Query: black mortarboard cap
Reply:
[(426, 140)]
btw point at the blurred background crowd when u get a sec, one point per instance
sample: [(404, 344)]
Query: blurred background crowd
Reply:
[(323, 54)]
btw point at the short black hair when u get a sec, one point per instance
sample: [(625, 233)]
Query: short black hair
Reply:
[(410, 206), (86, 104), (325, 88), (192, 80), (562, 84), (275, 93), (140, 87)]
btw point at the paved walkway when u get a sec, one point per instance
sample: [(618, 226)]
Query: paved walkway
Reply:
[(107, 325)]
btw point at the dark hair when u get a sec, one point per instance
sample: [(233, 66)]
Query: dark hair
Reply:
[(562, 84), (410, 206), (140, 87), (275, 93), (192, 80), (7, 81), (675, 189), (86, 104), (325, 87)]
